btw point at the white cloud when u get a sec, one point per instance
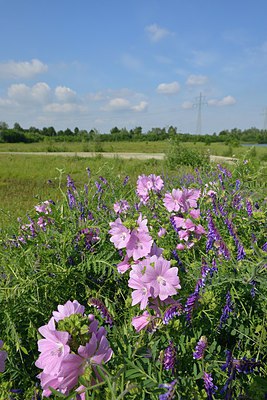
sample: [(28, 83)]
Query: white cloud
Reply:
[(22, 93), (142, 106), (24, 69), (225, 101), (117, 104), (187, 105), (41, 92), (168, 88), (64, 108), (196, 80), (64, 94), (156, 33)]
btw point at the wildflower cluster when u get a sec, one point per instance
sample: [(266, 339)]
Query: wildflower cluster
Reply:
[(72, 345), (179, 264)]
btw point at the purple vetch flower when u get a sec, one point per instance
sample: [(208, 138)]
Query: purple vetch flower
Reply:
[(246, 366), (190, 304), (249, 208), (170, 390), (264, 247), (70, 184), (103, 310), (3, 357), (209, 385), (126, 179), (233, 365), (214, 267), (241, 254), (214, 203), (71, 199), (99, 187), (171, 312), (225, 171), (200, 348), (103, 180), (237, 184), (213, 234), (228, 308), (169, 358), (237, 201), (214, 237)]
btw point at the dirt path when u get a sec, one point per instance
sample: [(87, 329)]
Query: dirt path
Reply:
[(138, 156)]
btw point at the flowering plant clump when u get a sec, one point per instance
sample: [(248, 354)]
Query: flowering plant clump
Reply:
[(72, 345), (173, 271)]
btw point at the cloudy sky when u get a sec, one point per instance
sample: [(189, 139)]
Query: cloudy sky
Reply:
[(100, 64)]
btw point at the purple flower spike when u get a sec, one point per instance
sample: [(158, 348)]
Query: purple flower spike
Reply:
[(228, 308), (169, 357), (209, 385), (169, 395), (70, 183), (200, 348), (172, 312)]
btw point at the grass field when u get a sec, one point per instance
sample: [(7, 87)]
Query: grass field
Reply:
[(27, 180), (218, 149)]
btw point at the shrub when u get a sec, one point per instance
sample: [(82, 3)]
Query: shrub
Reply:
[(179, 154)]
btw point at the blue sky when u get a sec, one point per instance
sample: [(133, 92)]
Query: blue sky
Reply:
[(100, 64)]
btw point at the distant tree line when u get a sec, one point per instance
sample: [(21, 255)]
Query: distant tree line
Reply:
[(32, 134)]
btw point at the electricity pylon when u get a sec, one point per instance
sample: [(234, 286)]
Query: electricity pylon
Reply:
[(265, 119), (200, 101)]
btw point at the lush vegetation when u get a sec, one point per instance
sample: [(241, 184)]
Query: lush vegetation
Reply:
[(234, 136), (170, 268)]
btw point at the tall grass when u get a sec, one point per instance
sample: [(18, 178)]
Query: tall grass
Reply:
[(25, 180)]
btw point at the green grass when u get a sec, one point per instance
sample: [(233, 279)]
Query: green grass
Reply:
[(219, 149), (26, 180)]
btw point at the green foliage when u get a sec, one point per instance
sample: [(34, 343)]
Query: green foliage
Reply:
[(178, 155), (68, 255)]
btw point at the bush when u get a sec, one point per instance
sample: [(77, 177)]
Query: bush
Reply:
[(179, 154)]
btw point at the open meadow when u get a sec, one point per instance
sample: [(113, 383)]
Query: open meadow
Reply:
[(217, 149), (132, 279)]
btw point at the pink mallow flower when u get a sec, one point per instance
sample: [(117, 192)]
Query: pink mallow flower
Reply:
[(61, 366), (162, 279), (121, 206), (172, 200), (43, 207), (189, 199), (3, 357), (147, 183), (53, 348), (124, 265), (181, 200), (141, 291), (120, 235), (95, 352), (141, 321), (139, 244), (69, 308), (153, 277)]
